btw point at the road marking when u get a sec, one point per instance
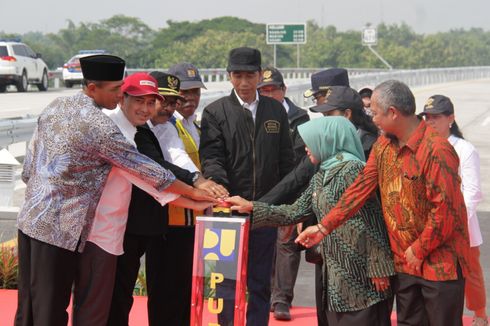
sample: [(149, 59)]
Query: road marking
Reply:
[(486, 121)]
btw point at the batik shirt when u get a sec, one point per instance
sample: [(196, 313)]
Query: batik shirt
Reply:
[(354, 253), (66, 166), (423, 206)]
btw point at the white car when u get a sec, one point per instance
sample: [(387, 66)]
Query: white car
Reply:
[(20, 66), (72, 73)]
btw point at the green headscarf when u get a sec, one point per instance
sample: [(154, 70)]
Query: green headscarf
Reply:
[(332, 140)]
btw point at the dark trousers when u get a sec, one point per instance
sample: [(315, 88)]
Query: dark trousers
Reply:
[(320, 311), (286, 265), (94, 283), (127, 270), (46, 275), (172, 286), (261, 248), (422, 302), (260, 254)]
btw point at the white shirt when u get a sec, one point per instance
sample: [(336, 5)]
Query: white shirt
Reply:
[(469, 170), (172, 146), (189, 125), (111, 214), (286, 105), (252, 107)]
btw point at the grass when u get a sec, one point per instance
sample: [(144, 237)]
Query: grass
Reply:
[(9, 267)]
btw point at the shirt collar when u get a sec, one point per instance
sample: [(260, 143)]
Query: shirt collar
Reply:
[(150, 124), (286, 105), (180, 117), (416, 138), (119, 118), (242, 103)]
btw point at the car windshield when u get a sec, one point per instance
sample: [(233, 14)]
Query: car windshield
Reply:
[(74, 60), (3, 51)]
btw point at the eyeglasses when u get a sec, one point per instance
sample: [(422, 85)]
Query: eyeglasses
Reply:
[(171, 103)]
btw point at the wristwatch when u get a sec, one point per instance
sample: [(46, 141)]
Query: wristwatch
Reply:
[(196, 176)]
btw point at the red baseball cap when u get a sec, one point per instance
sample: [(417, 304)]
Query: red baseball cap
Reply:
[(140, 84)]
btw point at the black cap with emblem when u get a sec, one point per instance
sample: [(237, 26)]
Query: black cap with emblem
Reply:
[(322, 80), (271, 76), (188, 74), (437, 104), (168, 85), (339, 97)]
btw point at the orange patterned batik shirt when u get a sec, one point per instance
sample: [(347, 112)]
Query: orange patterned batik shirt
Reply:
[(423, 206)]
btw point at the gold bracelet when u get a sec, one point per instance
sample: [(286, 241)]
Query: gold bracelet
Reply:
[(320, 229)]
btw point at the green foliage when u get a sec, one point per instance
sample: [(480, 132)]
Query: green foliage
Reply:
[(206, 43), (140, 287), (9, 266)]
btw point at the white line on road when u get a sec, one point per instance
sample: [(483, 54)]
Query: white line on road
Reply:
[(486, 121)]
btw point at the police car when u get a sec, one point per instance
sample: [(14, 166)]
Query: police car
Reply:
[(20, 66), (72, 73)]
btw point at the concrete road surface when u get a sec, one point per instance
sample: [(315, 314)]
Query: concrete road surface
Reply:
[(472, 106)]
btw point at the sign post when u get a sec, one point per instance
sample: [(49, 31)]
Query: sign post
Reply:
[(370, 38), (286, 34)]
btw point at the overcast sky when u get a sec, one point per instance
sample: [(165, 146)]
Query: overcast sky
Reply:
[(424, 16)]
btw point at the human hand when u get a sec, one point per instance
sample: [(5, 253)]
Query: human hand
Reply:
[(381, 283), (239, 204), (211, 187), (299, 227), (201, 195), (310, 236), (412, 260)]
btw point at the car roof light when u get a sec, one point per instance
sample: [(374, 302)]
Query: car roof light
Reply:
[(12, 39), (92, 51)]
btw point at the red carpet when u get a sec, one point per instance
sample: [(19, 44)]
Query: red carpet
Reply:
[(301, 315)]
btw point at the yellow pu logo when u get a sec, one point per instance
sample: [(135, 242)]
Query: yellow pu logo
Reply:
[(219, 244)]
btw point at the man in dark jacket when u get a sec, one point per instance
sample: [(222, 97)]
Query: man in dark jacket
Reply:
[(246, 147), (288, 254)]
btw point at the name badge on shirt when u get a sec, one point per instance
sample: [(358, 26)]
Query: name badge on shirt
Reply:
[(272, 126)]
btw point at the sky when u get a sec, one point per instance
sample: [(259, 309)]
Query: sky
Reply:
[(424, 16)]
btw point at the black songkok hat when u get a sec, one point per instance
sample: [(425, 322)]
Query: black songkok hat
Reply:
[(102, 67), (244, 59)]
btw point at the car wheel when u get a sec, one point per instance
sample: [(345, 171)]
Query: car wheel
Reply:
[(3, 88), (68, 84), (22, 83), (43, 86)]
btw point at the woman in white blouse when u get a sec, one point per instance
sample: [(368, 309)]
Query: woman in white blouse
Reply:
[(439, 114)]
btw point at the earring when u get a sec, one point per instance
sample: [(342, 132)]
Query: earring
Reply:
[(450, 125)]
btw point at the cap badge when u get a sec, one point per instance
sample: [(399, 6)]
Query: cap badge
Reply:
[(267, 74), (147, 83), (172, 82), (429, 103), (191, 73)]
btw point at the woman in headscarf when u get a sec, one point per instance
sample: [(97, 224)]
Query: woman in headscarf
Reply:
[(357, 257)]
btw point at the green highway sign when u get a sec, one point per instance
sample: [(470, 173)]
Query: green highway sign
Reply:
[(286, 34)]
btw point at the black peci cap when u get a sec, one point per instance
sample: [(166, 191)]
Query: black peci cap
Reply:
[(339, 97), (102, 67), (244, 59), (271, 76), (437, 104), (320, 81)]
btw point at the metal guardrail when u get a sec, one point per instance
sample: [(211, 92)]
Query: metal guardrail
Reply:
[(18, 130), (210, 75)]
